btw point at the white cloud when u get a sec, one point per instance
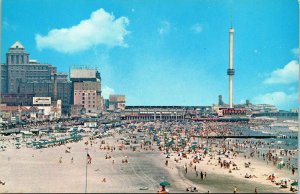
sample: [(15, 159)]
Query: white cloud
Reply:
[(196, 28), (280, 99), (256, 51), (106, 91), (295, 51), (100, 28), (7, 26), (288, 74), (164, 28)]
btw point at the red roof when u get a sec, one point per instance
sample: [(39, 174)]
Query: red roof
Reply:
[(13, 108)]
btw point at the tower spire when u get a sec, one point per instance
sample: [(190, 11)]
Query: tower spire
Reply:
[(230, 70)]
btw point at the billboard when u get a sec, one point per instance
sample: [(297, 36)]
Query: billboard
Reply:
[(42, 100), (117, 98)]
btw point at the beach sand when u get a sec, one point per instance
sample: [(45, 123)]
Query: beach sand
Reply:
[(29, 170), (219, 180)]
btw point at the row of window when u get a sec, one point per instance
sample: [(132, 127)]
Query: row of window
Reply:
[(89, 106), (89, 102), (29, 67), (88, 94), (83, 98)]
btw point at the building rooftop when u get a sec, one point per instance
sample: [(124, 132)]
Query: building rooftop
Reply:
[(83, 73), (17, 45), (13, 108)]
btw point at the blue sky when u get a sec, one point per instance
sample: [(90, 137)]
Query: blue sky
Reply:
[(171, 52)]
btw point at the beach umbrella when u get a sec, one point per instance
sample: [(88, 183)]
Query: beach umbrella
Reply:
[(295, 183), (285, 179), (164, 183)]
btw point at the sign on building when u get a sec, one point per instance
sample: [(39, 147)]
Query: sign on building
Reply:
[(121, 106), (42, 100)]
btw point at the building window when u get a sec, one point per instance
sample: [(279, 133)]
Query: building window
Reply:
[(17, 59), (22, 59), (12, 59)]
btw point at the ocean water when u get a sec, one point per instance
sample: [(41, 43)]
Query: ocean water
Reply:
[(290, 142)]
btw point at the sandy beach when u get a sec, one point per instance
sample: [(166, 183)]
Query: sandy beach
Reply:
[(219, 179), (29, 170)]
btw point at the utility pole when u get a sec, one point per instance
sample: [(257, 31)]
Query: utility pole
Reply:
[(86, 167), (299, 69)]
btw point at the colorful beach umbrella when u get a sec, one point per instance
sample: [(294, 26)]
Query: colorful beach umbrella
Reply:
[(295, 183), (164, 183), (285, 179)]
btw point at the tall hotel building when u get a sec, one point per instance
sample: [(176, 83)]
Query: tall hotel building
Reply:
[(22, 79)]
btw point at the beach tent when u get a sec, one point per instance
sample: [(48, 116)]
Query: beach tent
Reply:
[(26, 133), (18, 145), (194, 147), (148, 141)]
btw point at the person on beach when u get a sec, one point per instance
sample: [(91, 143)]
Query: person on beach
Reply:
[(201, 175), (255, 191), (235, 189), (89, 159), (2, 182)]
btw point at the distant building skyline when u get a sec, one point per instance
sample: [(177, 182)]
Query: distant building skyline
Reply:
[(167, 52)]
